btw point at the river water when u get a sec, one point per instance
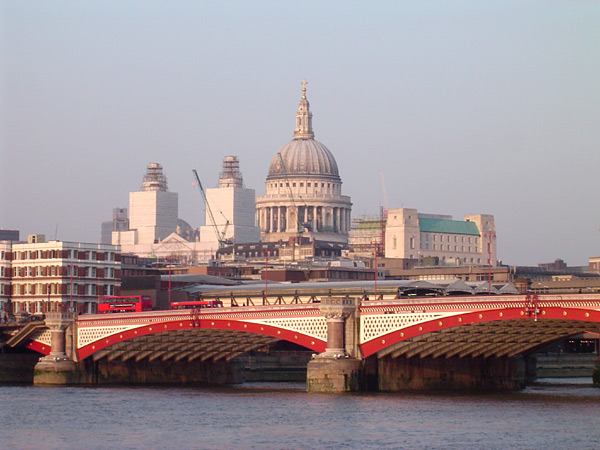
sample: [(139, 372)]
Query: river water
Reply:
[(283, 416)]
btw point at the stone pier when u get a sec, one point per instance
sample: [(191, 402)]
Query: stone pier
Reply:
[(339, 368), (56, 368)]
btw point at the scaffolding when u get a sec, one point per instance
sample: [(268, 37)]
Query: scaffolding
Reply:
[(154, 180), (231, 175)]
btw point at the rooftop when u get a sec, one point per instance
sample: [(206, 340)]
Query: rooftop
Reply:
[(448, 226)]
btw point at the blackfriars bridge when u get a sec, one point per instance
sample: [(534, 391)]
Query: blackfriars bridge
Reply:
[(478, 342)]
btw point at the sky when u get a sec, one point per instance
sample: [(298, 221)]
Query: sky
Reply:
[(460, 107)]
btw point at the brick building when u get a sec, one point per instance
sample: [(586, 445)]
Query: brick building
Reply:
[(57, 272)]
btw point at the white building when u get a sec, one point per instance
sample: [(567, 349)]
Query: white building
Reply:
[(413, 235), (233, 208), (303, 189), (57, 272), (153, 211)]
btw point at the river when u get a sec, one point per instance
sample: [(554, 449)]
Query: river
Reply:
[(559, 414)]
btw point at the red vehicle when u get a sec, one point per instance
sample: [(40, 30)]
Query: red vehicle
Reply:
[(129, 303), (197, 304)]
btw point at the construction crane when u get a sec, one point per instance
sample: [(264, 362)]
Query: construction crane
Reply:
[(220, 235), (383, 216)]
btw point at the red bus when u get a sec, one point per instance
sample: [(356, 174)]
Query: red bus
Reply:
[(197, 304), (129, 303)]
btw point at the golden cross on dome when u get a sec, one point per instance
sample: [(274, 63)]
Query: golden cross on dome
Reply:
[(304, 83)]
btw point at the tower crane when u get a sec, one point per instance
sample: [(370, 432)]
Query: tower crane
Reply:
[(220, 235)]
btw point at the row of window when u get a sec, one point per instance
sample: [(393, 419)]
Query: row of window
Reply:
[(425, 246), (55, 289), (53, 271), (58, 254), (330, 188), (448, 238), (301, 184), (34, 307)]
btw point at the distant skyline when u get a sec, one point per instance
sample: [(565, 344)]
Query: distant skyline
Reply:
[(465, 107)]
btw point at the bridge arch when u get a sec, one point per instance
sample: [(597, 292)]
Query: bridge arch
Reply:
[(219, 333), (489, 333)]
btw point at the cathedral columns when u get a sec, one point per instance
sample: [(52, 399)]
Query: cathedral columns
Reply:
[(348, 215), (292, 219), (282, 219)]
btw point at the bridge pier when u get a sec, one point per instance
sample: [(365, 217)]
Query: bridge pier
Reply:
[(451, 374), (56, 368), (338, 369), (105, 372)]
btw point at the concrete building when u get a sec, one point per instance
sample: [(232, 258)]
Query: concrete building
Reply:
[(233, 208), (594, 264), (9, 235), (153, 211), (303, 189), (57, 272), (120, 222), (413, 235)]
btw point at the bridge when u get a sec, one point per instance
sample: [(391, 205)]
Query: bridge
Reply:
[(392, 344)]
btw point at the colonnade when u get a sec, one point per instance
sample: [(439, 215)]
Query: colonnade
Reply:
[(318, 218)]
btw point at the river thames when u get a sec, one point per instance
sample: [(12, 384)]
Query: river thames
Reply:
[(564, 414)]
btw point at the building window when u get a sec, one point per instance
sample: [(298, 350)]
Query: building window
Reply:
[(412, 242), (394, 242)]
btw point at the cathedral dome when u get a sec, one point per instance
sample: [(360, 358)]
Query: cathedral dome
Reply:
[(303, 156)]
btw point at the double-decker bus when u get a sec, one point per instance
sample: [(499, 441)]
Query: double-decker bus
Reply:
[(129, 303), (197, 304)]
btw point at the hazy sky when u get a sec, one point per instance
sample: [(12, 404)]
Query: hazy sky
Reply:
[(465, 106)]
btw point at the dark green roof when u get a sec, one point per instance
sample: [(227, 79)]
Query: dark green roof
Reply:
[(448, 226)]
